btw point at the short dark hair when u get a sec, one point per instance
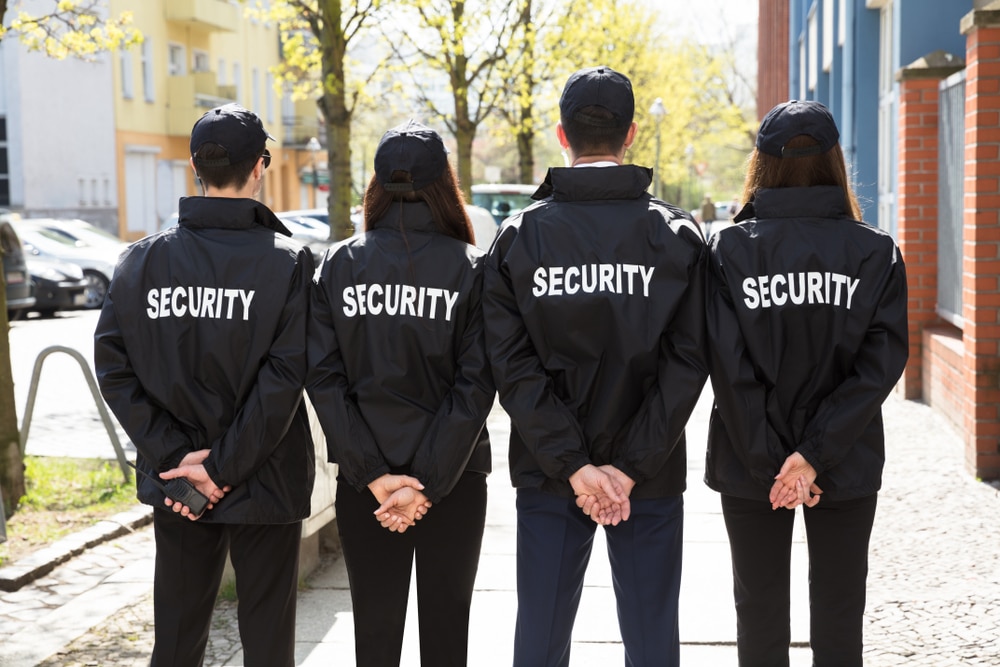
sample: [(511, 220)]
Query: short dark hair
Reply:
[(223, 176), (594, 138)]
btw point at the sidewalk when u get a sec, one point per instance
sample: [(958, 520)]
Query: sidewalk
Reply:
[(934, 583)]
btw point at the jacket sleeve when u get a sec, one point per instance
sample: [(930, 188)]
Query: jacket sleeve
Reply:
[(446, 446), (844, 414), (157, 435), (654, 430), (550, 431), (740, 398), (350, 442), (265, 415)]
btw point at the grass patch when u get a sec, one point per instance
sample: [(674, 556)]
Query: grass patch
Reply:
[(63, 495)]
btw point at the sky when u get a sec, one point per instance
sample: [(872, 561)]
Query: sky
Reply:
[(707, 19)]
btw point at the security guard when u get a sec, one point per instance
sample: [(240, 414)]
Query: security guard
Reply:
[(594, 307), (807, 323), (200, 352)]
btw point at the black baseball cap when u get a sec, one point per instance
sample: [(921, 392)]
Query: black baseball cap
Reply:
[(598, 86), (237, 130), (791, 119), (413, 148)]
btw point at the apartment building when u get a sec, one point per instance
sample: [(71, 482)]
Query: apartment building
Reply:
[(198, 54), (107, 140)]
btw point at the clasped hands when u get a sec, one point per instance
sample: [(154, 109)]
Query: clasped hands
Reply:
[(192, 467), (602, 493), (402, 502), (795, 484)]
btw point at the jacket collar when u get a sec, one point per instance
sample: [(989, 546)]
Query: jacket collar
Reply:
[(820, 201), (595, 183), (227, 213), (411, 216)]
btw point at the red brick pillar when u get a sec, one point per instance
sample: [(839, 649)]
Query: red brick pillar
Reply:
[(981, 244), (918, 200)]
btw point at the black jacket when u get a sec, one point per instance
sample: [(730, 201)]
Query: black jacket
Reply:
[(594, 311), (397, 357), (201, 344), (807, 318)]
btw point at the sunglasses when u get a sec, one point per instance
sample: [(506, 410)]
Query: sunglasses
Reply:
[(267, 158)]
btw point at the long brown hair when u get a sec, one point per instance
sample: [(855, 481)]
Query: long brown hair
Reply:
[(443, 196), (829, 168)]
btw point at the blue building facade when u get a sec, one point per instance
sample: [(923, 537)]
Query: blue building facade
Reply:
[(845, 54)]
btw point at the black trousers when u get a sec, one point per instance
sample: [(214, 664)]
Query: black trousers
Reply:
[(554, 543), (837, 536), (446, 543), (190, 558)]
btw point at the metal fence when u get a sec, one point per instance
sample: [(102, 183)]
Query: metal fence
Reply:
[(951, 176)]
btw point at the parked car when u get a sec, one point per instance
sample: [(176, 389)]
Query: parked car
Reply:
[(98, 263), (502, 199), (58, 285), (80, 232), (19, 287), (484, 225), (320, 218)]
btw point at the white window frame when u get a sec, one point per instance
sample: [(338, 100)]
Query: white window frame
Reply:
[(128, 77), (269, 98), (828, 35), (176, 59), (148, 80), (812, 36), (200, 61), (221, 72), (841, 21), (238, 81)]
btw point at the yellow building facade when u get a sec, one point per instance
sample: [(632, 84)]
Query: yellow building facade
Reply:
[(196, 55)]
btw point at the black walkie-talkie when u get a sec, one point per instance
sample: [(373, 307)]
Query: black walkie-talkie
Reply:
[(180, 491)]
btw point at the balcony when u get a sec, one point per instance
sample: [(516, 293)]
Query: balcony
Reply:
[(210, 15), (191, 96)]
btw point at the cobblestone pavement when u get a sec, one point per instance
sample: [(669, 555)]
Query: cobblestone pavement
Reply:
[(934, 580)]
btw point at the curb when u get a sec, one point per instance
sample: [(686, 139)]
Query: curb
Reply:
[(43, 561)]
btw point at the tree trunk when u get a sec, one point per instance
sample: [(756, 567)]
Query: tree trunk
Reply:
[(338, 121), (526, 95), (11, 465)]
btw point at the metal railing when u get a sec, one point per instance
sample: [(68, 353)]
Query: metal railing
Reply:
[(98, 402)]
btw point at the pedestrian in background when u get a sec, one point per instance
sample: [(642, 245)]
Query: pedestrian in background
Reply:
[(402, 387), (707, 211), (200, 352), (595, 326), (807, 323)]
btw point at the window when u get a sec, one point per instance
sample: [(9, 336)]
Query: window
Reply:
[(269, 98), (255, 90), (175, 58), (813, 62), (238, 82), (4, 165), (221, 72), (842, 22), (148, 84), (199, 61), (828, 24), (802, 69), (886, 70), (125, 60)]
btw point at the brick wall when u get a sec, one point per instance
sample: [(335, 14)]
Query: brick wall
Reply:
[(772, 54), (918, 209), (981, 244)]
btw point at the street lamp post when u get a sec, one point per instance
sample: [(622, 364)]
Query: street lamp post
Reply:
[(313, 147), (657, 111)]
